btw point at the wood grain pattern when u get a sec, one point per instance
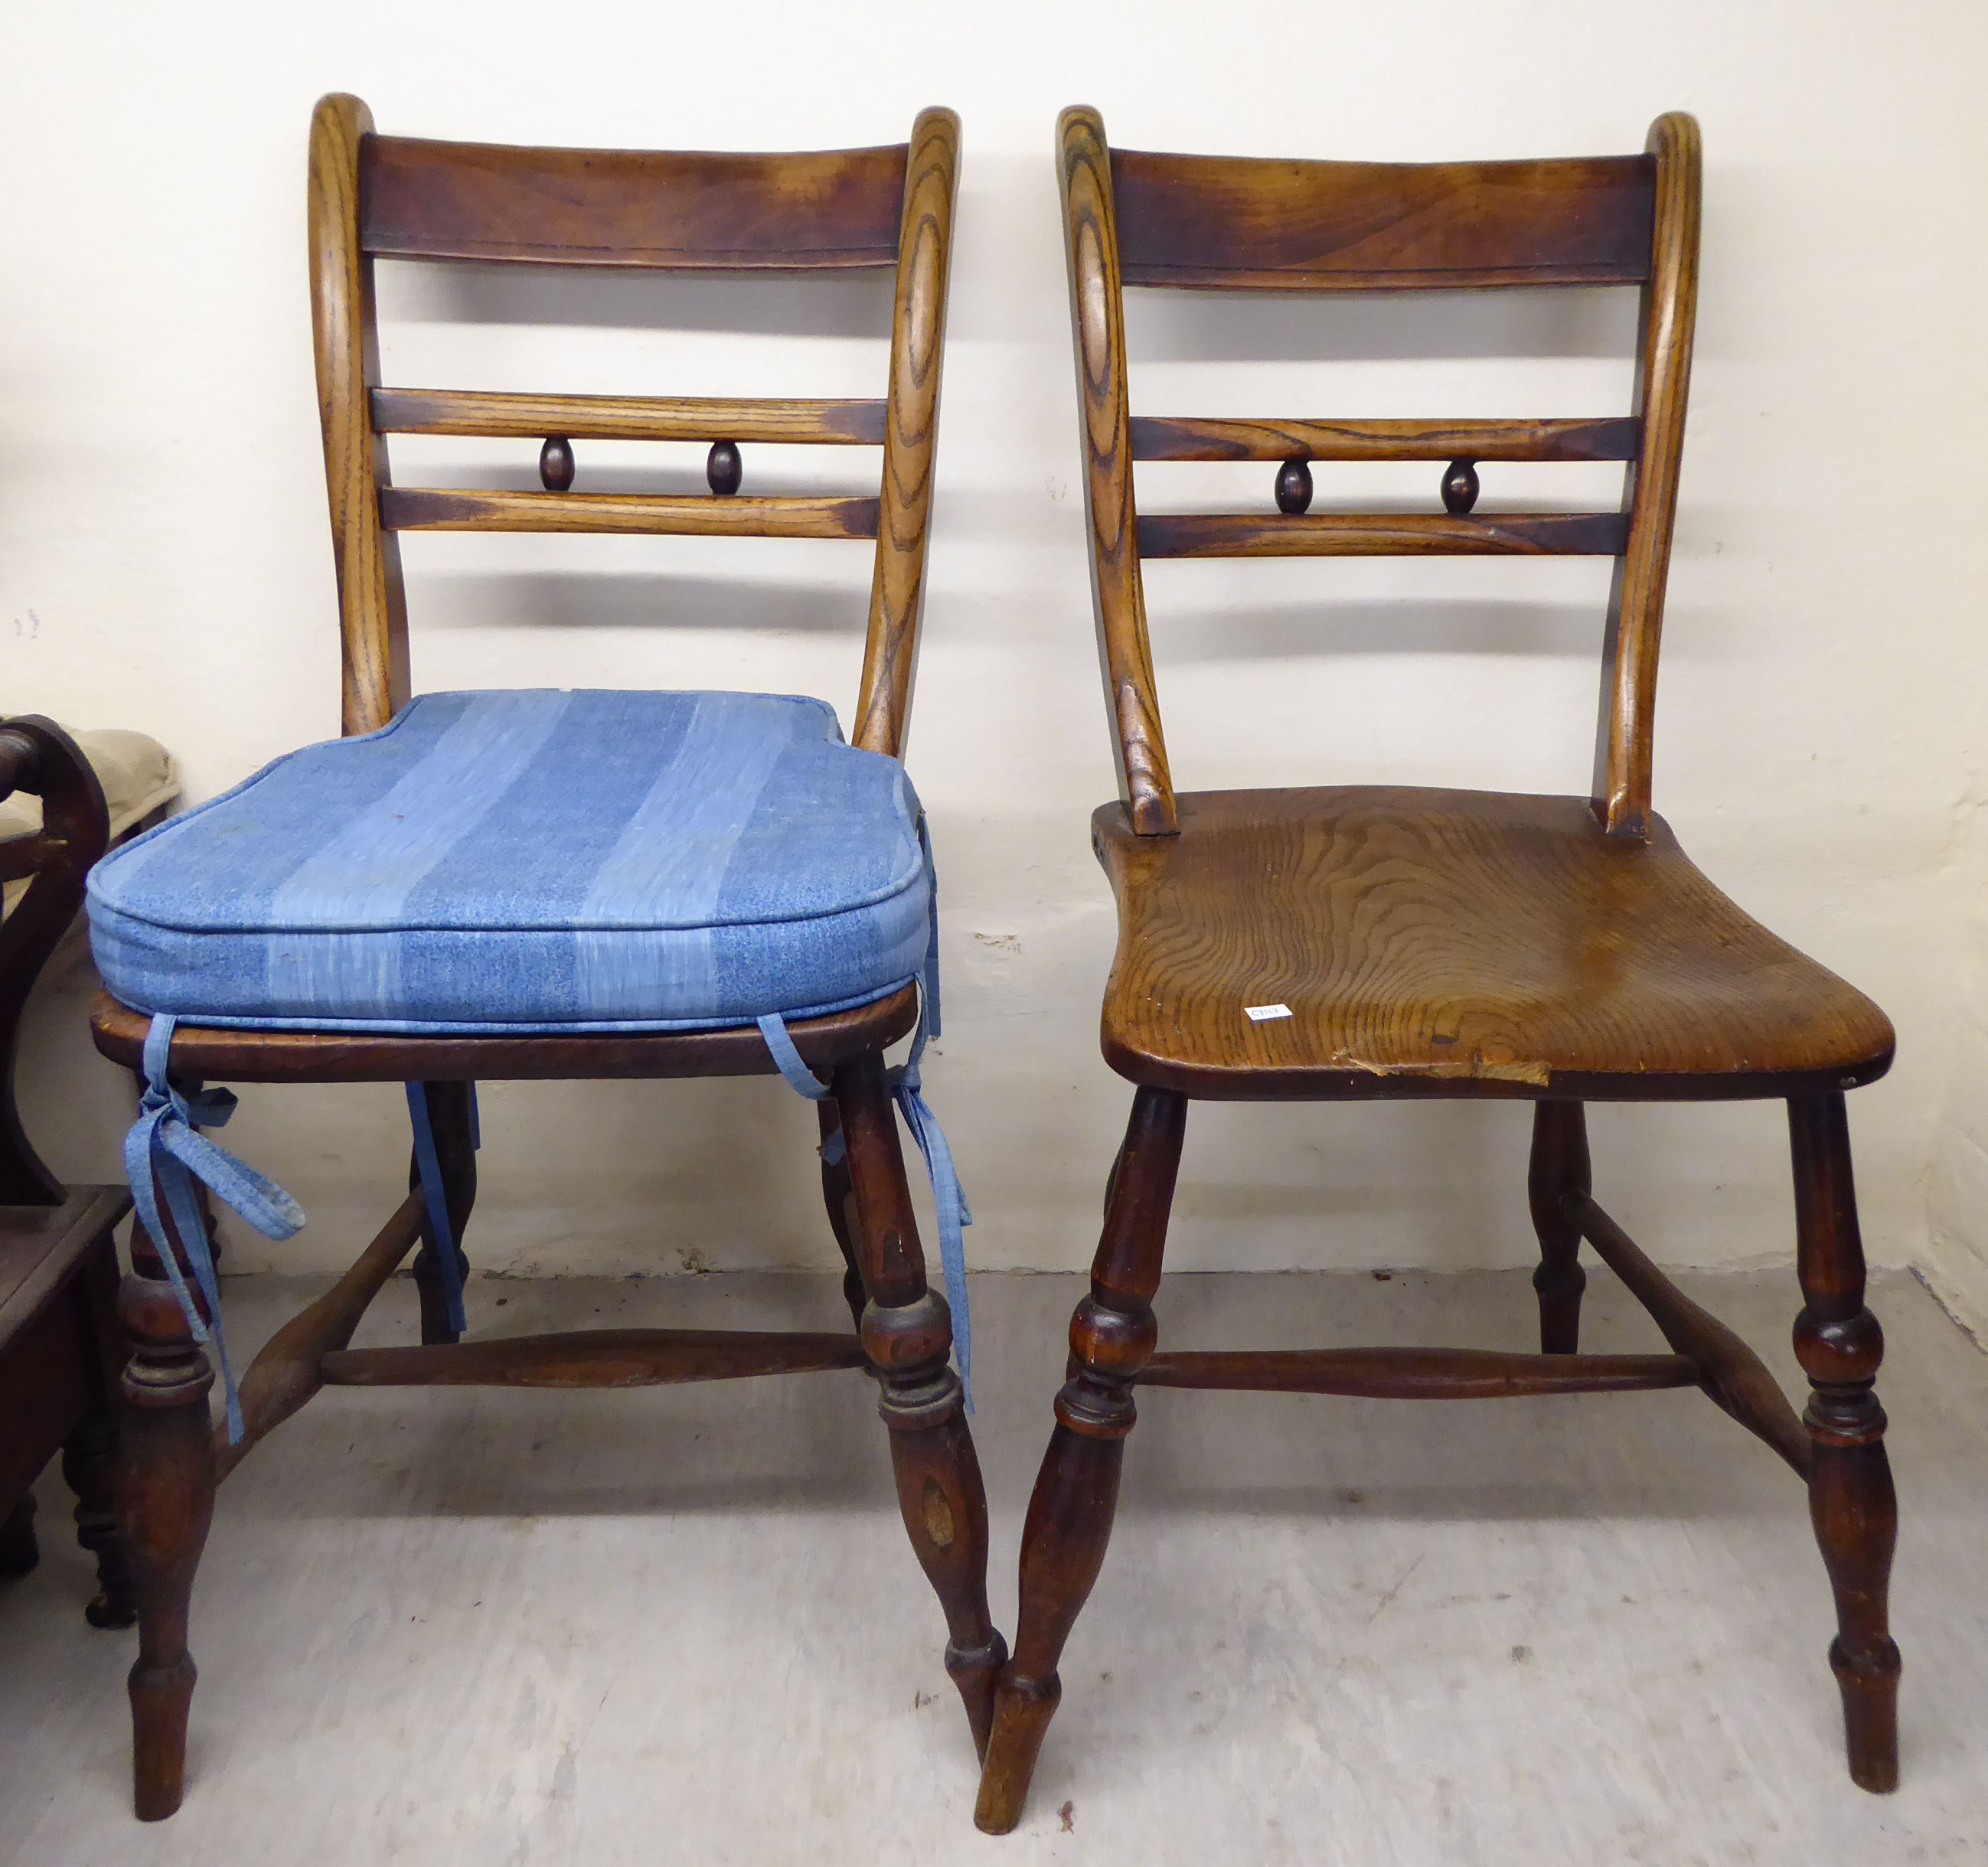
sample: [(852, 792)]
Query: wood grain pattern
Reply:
[(1075, 1502), (1197, 437), (1309, 226), (1381, 535), (372, 597), (1732, 1374), (656, 208), (288, 1372), (1852, 1503), (164, 1489), (1097, 322), (1381, 942), (1417, 1373), (1625, 737), (628, 417), (917, 346), (217, 1055), (406, 197), (592, 1358), (435, 509), (907, 1338), (1452, 943), (368, 195)]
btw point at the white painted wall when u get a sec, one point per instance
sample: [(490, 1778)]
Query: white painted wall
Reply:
[(164, 562)]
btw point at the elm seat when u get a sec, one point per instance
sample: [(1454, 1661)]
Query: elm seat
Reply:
[(1452, 942), (534, 860)]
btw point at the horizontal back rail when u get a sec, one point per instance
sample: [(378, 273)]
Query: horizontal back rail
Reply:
[(1189, 437), (659, 209), (435, 509), (1307, 226), (1382, 535), (627, 417)]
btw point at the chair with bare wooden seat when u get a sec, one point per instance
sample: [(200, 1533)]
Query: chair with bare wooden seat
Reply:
[(554, 884), (1363, 943)]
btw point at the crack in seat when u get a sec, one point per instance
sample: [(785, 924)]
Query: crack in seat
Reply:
[(1452, 942)]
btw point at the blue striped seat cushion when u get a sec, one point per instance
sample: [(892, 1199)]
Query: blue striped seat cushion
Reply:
[(536, 860)]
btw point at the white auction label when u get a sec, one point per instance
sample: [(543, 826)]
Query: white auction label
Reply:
[(1256, 1014)]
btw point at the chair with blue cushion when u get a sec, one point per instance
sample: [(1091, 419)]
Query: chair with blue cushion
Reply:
[(552, 883)]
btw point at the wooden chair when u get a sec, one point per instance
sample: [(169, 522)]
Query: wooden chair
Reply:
[(1357, 944), (58, 1264), (374, 196)]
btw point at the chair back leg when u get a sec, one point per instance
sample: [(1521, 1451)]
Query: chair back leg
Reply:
[(1840, 1345), (1559, 1166), (453, 1123), (1112, 1337)]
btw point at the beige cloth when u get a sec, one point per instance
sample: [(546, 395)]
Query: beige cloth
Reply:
[(137, 774)]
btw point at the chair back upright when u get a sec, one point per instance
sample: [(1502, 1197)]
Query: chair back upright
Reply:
[(1133, 217), (38, 757), (373, 196)]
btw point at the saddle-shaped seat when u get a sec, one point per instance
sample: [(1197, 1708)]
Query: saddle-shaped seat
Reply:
[(1392, 939)]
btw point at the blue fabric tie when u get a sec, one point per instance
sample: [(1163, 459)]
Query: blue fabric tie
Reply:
[(164, 1142), (428, 1166), (905, 1087)]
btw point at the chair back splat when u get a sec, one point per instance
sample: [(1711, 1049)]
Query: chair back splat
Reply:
[(556, 884), (374, 196), (1203, 222), (1367, 942)]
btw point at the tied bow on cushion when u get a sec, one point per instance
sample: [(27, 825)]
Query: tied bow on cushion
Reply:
[(165, 1151)]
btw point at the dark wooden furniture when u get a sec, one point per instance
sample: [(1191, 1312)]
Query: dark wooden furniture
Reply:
[(1417, 943), (58, 1355), (374, 196)]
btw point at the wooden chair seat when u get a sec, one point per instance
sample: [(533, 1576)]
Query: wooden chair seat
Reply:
[(1453, 942), (1396, 942), (218, 1053)]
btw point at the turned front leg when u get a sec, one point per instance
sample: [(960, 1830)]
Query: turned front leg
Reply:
[(1112, 1337), (453, 1120), (1852, 1503), (1559, 1166), (165, 1483), (908, 1335)]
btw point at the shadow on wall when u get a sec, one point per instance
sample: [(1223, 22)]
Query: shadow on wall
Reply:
[(1168, 327), (853, 304), (552, 599), (1286, 631)]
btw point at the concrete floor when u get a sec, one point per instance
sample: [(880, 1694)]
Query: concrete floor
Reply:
[(464, 1626)]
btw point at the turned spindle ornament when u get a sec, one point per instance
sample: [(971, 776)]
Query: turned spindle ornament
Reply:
[(555, 463), (1293, 487), (723, 469), (1459, 487)]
